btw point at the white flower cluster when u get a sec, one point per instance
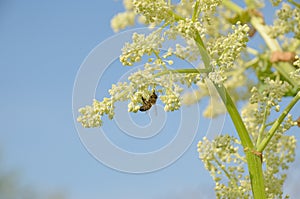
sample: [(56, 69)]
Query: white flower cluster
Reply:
[(154, 11), (225, 50), (190, 52), (128, 4), (143, 83), (252, 119), (172, 101), (287, 21), (296, 74), (226, 163), (281, 149), (185, 8), (272, 93), (122, 20), (222, 159), (91, 115), (279, 153), (256, 113), (208, 6), (188, 28), (141, 45)]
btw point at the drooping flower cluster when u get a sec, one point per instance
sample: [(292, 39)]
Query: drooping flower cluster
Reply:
[(142, 84), (91, 116)]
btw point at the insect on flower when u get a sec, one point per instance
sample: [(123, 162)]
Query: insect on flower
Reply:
[(147, 104)]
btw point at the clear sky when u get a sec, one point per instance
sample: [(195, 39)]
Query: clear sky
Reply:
[(43, 44)]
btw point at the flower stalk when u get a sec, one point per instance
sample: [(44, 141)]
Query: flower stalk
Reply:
[(254, 161), (277, 123)]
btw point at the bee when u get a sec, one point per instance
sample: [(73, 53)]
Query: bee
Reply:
[(147, 104)]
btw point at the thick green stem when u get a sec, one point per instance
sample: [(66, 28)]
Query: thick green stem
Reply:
[(253, 160), (203, 51), (277, 123)]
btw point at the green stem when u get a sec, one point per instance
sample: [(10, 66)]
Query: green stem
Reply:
[(257, 23), (203, 51), (235, 116), (195, 13), (252, 51), (187, 70), (263, 126), (176, 16), (294, 3), (254, 162), (277, 123)]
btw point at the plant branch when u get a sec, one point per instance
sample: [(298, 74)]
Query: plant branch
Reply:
[(195, 13), (186, 70), (294, 3), (277, 123), (263, 126), (254, 161)]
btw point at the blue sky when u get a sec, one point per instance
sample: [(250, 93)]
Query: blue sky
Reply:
[(43, 44)]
